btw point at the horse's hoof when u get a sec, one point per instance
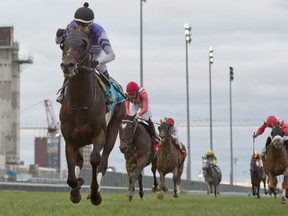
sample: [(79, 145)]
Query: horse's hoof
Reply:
[(154, 189), (283, 201), (130, 198), (96, 199), (75, 196), (175, 196), (160, 195)]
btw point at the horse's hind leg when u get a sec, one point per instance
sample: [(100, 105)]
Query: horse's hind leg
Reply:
[(264, 183), (111, 135)]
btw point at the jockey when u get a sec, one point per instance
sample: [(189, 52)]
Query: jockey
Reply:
[(101, 48), (211, 157), (270, 122), (257, 157), (174, 133), (138, 103)]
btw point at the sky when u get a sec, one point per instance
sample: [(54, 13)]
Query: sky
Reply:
[(250, 36)]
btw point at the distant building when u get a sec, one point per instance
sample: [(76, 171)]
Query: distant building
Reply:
[(10, 97), (47, 152)]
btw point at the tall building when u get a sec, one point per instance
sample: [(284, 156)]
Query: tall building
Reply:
[(10, 97)]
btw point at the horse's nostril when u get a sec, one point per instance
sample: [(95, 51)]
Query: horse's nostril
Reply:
[(71, 65), (123, 149)]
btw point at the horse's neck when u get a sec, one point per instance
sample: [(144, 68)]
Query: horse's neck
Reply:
[(168, 145), (81, 87), (277, 152)]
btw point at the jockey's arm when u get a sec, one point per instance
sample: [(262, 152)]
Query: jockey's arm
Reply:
[(144, 99), (127, 107)]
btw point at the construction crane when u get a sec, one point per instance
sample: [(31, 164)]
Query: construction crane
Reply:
[(53, 137), (52, 127)]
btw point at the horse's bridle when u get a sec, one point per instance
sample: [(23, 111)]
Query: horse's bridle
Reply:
[(73, 70), (165, 133), (134, 124)]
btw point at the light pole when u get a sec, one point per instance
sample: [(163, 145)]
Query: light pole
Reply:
[(211, 60), (141, 43), (188, 34), (231, 140)]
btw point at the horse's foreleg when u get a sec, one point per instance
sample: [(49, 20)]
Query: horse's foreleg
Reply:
[(73, 180), (71, 156), (176, 182), (271, 183), (141, 192), (162, 182), (130, 168), (95, 196), (154, 169)]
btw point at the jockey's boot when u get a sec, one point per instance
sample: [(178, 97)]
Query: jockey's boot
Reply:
[(60, 98), (286, 143), (106, 80), (180, 147), (155, 139)]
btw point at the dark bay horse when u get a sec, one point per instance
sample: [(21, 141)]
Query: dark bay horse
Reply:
[(82, 117), (170, 160), (257, 176), (212, 175), (136, 145), (276, 160)]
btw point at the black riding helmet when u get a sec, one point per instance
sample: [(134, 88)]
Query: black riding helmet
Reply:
[(84, 14)]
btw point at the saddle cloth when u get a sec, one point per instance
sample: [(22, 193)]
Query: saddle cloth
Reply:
[(114, 89)]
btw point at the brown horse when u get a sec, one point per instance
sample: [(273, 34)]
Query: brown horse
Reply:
[(82, 117), (170, 160), (276, 161), (136, 145), (257, 176)]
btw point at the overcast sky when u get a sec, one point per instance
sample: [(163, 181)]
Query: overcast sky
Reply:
[(250, 36)]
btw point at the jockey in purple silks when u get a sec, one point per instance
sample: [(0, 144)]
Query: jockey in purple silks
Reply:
[(101, 47)]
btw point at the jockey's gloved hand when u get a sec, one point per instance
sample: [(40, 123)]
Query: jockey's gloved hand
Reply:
[(60, 32), (94, 63)]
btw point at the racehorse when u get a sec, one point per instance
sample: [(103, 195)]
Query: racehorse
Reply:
[(212, 175), (257, 176), (82, 117), (170, 160), (136, 145), (276, 160)]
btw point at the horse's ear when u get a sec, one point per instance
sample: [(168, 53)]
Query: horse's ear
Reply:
[(85, 44)]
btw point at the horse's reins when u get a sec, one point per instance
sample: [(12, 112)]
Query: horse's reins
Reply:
[(76, 69)]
